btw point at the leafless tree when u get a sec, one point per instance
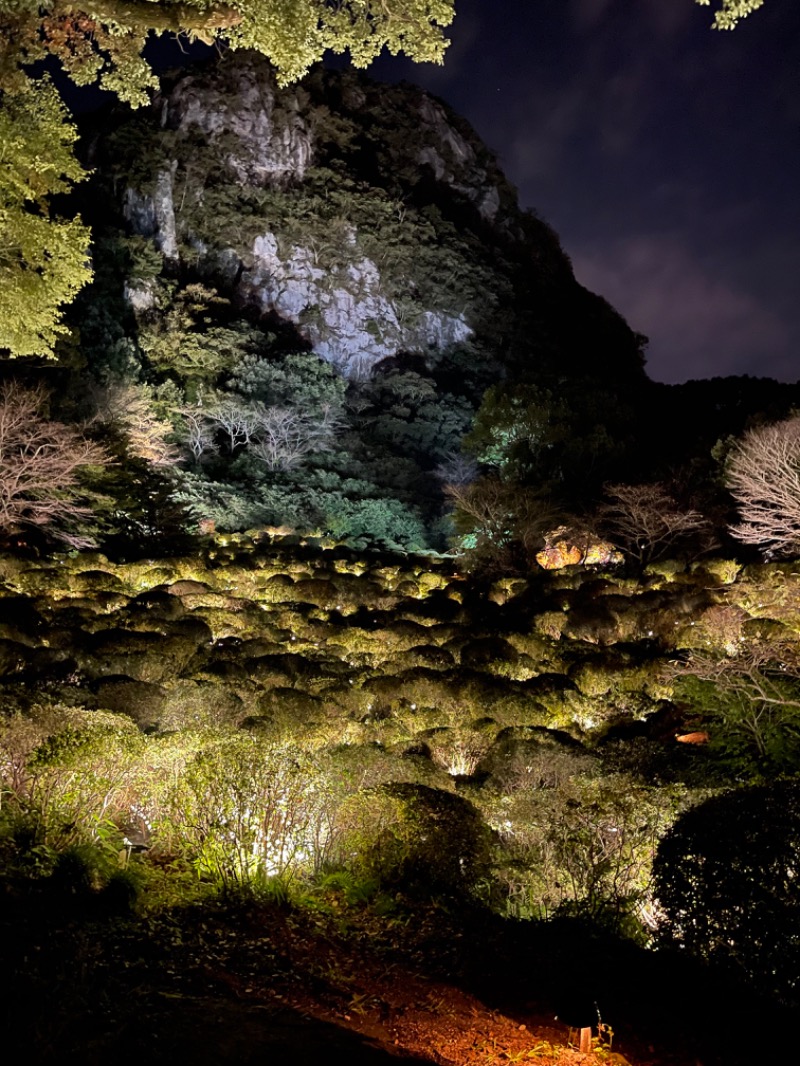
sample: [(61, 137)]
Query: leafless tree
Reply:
[(752, 693), (457, 469), (763, 474), (40, 466), (646, 521), (237, 418), (128, 407), (199, 432), (504, 523), (285, 436), (281, 437)]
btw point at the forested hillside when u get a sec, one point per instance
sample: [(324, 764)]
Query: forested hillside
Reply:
[(357, 582), (297, 723)]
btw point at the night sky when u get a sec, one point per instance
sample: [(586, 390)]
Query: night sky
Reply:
[(665, 154)]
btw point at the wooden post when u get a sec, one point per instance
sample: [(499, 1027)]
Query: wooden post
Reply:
[(585, 1043)]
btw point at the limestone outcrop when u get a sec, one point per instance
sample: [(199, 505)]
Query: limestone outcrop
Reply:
[(369, 218)]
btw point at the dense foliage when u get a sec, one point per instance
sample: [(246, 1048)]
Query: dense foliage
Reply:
[(43, 257), (252, 714), (725, 875), (283, 720)]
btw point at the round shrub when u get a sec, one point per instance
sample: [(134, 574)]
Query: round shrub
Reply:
[(139, 700), (423, 840), (726, 878)]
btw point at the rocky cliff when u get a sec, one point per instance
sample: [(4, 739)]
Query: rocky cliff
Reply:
[(369, 217), (315, 287)]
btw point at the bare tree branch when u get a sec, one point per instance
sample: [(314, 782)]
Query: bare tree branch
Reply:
[(753, 694), (763, 476), (127, 407), (502, 520), (40, 466), (457, 470), (286, 435), (646, 521), (239, 420)]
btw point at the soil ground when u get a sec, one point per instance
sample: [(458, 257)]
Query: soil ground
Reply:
[(266, 984)]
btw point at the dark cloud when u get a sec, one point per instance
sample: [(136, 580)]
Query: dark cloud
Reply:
[(664, 17), (700, 324)]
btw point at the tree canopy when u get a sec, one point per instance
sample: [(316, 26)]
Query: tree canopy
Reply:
[(103, 39), (763, 475), (731, 12), (43, 259)]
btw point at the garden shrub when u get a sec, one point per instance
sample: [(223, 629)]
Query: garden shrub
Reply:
[(249, 810), (721, 627), (593, 677), (664, 571), (193, 630), (290, 713), (225, 623), (484, 652), (584, 845), (94, 581), (613, 681), (210, 599), (85, 614), (199, 705), (144, 656), (276, 588), (75, 872), (141, 701), (155, 603), (767, 630), (550, 624), (592, 622), (111, 602), (725, 571), (184, 587), (33, 581), (417, 718), (534, 757), (460, 750), (538, 648), (81, 778), (295, 668), (421, 840), (725, 878), (14, 657), (434, 658), (523, 668), (314, 590), (550, 695)]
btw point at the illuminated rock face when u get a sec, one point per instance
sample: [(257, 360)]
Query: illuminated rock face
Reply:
[(264, 132), (368, 218), (356, 324), (564, 547), (364, 296), (454, 161), (153, 214)]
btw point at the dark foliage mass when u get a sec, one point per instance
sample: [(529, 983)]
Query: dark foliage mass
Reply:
[(726, 877)]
